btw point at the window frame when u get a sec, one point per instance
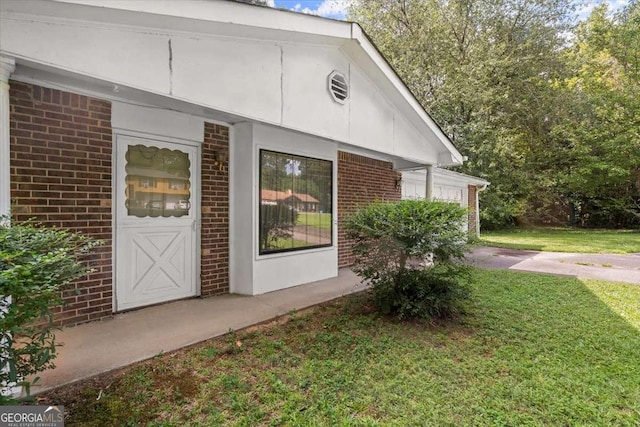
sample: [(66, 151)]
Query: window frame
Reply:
[(267, 252)]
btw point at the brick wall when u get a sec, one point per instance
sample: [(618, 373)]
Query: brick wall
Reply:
[(61, 146), (215, 211), (361, 180), (472, 210)]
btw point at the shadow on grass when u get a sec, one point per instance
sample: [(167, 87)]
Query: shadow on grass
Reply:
[(518, 246)]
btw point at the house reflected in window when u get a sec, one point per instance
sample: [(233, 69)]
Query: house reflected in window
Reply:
[(157, 182), (295, 202)]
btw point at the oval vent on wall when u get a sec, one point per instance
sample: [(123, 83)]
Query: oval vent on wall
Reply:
[(338, 87)]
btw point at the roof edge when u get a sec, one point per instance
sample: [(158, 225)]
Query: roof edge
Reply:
[(360, 36)]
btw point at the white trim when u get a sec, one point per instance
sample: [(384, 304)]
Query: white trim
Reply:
[(264, 18), (231, 208), (7, 66), (451, 176), (194, 214), (198, 217), (114, 222), (256, 201), (462, 177), (117, 85)]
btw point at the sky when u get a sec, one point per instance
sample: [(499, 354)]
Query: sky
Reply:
[(337, 9)]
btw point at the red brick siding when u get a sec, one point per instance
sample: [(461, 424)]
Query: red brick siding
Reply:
[(61, 146), (472, 210), (361, 180), (215, 211)]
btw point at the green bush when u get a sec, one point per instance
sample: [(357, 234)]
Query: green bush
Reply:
[(391, 242), (276, 223), (436, 292), (35, 262)]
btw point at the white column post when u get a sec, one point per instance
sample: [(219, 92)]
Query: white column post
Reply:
[(7, 66), (428, 194)]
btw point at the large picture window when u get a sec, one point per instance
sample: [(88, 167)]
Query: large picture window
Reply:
[(295, 202)]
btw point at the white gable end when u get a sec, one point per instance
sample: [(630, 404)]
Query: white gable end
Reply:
[(306, 102), (235, 76), (88, 49), (279, 80), (371, 115)]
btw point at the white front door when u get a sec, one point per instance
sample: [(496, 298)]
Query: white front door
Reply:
[(156, 221)]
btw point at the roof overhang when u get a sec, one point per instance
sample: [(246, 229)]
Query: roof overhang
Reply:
[(450, 176), (236, 20)]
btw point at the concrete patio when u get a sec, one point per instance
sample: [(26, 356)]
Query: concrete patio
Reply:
[(93, 348)]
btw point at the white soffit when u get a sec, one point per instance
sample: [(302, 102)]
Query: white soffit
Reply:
[(448, 176)]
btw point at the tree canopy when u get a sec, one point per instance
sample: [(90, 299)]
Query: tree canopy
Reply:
[(545, 108)]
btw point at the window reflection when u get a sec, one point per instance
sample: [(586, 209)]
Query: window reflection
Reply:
[(157, 182), (295, 202)]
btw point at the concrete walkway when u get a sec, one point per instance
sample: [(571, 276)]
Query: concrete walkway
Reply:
[(101, 346), (615, 268), (93, 348)]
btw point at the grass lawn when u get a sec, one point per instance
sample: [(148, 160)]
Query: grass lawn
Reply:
[(557, 239), (315, 219), (534, 350)]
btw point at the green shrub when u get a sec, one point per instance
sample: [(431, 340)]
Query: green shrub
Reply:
[(35, 262), (276, 222), (436, 292), (391, 242)]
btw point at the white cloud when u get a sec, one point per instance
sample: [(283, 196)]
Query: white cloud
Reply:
[(336, 9), (271, 3), (333, 8)]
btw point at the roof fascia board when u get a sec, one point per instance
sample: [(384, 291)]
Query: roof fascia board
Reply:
[(321, 41), (452, 177), (77, 12), (460, 176), (227, 12)]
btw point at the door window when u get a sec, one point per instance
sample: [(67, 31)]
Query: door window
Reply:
[(157, 182)]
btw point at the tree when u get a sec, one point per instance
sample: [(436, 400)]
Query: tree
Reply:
[(482, 69), (601, 133)]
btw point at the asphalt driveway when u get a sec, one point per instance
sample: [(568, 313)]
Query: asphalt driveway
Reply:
[(615, 268)]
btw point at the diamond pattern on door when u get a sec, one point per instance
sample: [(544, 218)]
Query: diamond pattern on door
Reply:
[(162, 272), (157, 266)]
